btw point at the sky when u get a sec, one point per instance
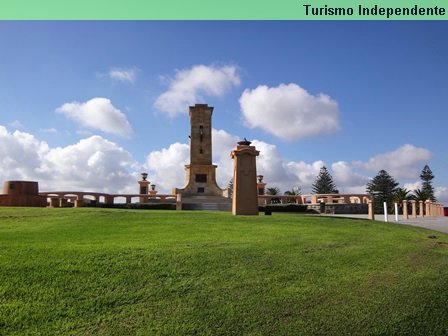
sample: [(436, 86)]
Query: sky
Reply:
[(89, 105)]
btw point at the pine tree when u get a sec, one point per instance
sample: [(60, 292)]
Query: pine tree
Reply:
[(323, 184), (426, 176), (382, 188)]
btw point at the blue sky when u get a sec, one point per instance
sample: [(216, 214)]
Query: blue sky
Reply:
[(88, 105)]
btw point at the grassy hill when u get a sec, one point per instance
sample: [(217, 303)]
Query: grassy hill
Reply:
[(127, 272)]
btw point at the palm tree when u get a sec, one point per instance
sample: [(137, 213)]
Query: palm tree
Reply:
[(273, 191), (400, 195), (295, 191), (421, 195)]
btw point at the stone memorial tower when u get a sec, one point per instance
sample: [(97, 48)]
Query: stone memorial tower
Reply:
[(200, 173), (245, 193)]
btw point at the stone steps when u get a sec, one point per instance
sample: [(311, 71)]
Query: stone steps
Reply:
[(207, 206)]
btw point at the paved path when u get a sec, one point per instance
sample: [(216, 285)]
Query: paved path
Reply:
[(432, 223)]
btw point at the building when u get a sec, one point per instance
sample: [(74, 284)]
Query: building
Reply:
[(200, 174)]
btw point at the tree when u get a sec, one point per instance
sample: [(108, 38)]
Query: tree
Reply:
[(273, 191), (323, 184), (400, 195), (421, 195), (382, 188), (426, 176), (295, 191)]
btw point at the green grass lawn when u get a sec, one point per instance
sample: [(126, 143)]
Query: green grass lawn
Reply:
[(128, 272)]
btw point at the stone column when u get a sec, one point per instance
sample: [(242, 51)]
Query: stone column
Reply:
[(108, 199), (427, 208), (260, 185), (54, 202), (414, 209), (420, 203), (245, 195), (178, 202), (371, 214), (143, 188), (405, 210), (63, 202)]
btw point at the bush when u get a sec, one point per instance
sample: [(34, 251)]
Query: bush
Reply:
[(135, 206), (283, 207)]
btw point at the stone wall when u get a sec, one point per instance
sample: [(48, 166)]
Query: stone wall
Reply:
[(22, 193)]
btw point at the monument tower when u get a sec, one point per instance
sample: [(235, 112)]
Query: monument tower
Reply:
[(200, 173)]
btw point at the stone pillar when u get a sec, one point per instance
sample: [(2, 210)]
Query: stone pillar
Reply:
[(153, 192), (371, 214), (427, 208), (261, 188), (143, 188), (178, 202), (414, 209), (79, 202), (54, 202), (405, 210), (63, 202), (314, 199), (260, 185), (245, 195), (108, 200), (420, 203)]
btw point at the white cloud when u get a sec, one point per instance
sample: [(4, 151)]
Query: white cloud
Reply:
[(413, 185), (441, 194), (289, 111), (347, 179), (98, 113), (49, 130), (21, 155), (404, 162), (166, 167), (123, 75), (189, 84), (223, 144), (304, 173), (92, 164)]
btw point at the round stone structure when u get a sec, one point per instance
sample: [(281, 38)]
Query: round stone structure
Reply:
[(22, 193)]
